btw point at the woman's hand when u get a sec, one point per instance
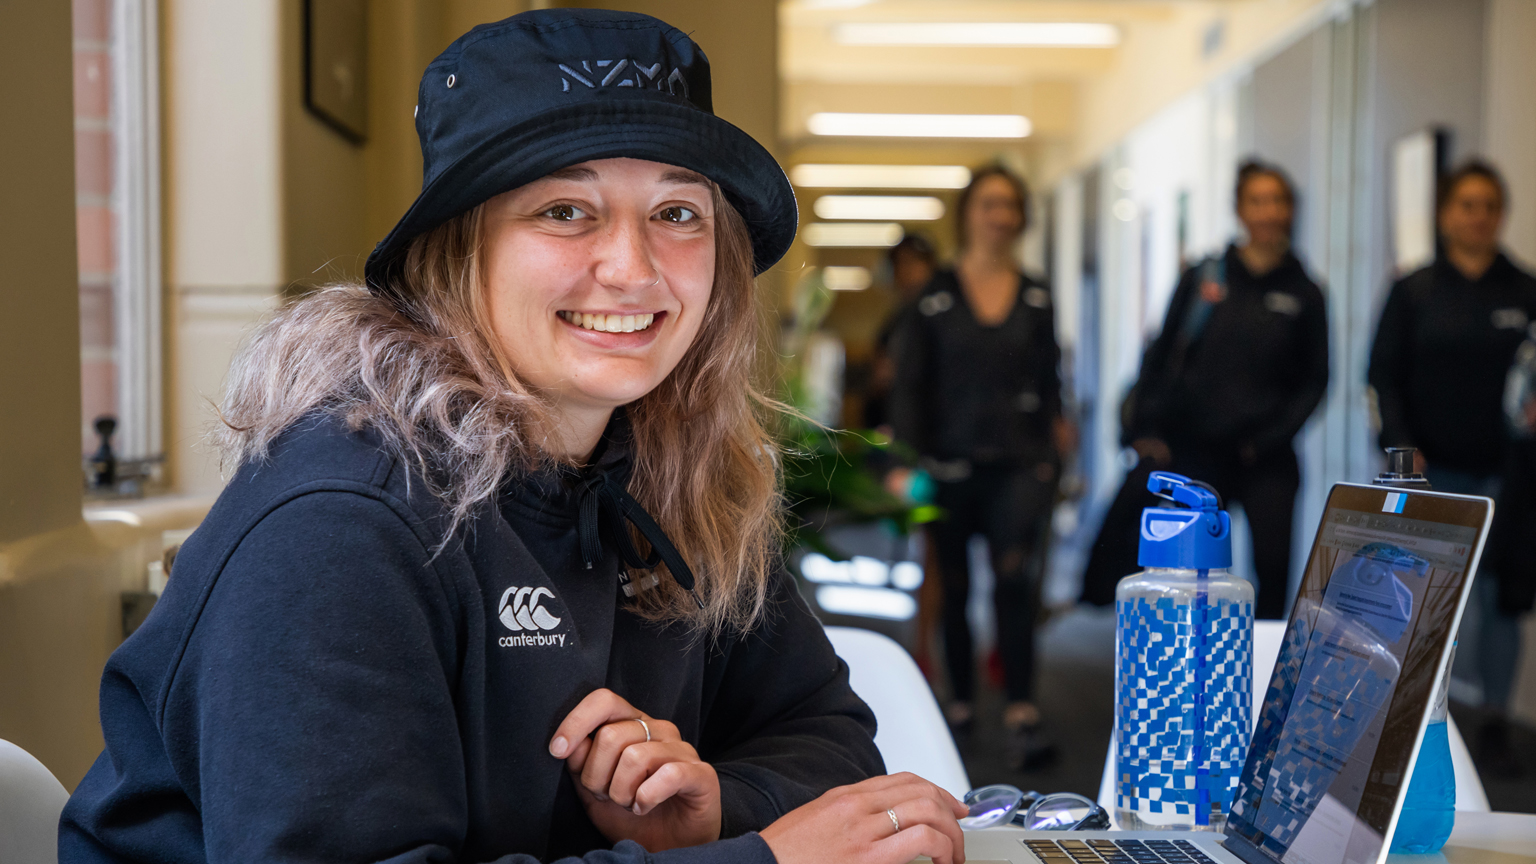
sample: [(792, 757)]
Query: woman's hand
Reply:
[(851, 824), (657, 793)]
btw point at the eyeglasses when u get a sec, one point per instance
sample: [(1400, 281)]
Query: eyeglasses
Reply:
[(1001, 804)]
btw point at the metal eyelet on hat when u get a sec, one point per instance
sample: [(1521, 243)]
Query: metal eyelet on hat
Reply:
[(451, 80)]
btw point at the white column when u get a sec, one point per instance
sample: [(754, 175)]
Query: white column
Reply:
[(223, 133)]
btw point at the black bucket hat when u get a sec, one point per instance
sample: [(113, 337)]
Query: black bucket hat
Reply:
[(510, 102)]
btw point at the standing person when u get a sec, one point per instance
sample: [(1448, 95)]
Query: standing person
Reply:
[(1240, 364), (1447, 337), (913, 263), (416, 626), (978, 396)]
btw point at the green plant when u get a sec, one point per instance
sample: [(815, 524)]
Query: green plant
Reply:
[(831, 476)]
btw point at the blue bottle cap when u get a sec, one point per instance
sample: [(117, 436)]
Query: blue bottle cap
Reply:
[(1195, 535)]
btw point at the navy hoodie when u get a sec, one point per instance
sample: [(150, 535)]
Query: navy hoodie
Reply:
[(315, 686)]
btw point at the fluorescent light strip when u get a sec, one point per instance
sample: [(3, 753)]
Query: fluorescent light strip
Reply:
[(884, 603), (893, 208), (846, 278), (1053, 34), (920, 125), (821, 176), (851, 234)]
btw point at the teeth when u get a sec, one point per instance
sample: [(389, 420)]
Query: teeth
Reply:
[(610, 323)]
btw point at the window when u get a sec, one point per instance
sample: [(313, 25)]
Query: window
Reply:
[(118, 226)]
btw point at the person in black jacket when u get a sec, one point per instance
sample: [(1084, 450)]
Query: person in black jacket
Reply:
[(1446, 340), (913, 263), (433, 618), (1240, 364), (978, 396)]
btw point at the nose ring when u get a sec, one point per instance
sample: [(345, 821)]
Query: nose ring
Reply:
[(655, 281)]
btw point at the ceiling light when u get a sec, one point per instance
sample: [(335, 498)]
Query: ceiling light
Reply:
[(881, 234), (881, 176), (846, 279), (894, 208), (920, 125), (1064, 34), (866, 602)]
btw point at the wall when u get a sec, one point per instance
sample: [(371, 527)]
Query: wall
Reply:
[(40, 475), (1509, 117), (224, 183), (55, 612), (1160, 62)]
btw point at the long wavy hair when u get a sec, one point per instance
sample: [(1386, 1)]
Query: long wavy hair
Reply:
[(423, 367)]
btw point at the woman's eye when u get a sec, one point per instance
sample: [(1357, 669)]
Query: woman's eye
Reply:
[(678, 214), (564, 213)]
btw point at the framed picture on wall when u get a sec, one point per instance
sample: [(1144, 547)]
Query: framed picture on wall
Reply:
[(336, 65)]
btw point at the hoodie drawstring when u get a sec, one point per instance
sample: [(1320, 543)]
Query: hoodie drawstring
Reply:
[(604, 508)]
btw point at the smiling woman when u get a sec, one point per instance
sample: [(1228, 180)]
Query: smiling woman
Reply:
[(495, 575)]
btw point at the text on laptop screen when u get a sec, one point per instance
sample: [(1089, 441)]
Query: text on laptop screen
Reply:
[(1337, 729)]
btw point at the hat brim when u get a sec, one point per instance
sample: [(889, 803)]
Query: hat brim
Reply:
[(665, 132)]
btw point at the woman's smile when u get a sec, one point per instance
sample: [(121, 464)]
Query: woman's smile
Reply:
[(611, 322)]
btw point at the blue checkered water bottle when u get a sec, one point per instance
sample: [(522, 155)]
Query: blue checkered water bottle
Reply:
[(1183, 666)]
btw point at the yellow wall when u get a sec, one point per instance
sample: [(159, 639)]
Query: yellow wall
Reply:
[(40, 477), (55, 613)]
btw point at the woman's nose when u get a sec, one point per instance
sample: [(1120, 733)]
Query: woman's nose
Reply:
[(626, 257)]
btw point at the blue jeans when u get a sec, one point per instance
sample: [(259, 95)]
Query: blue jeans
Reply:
[(1492, 636)]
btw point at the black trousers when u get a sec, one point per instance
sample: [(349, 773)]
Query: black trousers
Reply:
[(1010, 506), (1267, 490)]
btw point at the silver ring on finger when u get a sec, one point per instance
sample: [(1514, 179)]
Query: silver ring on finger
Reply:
[(646, 727), (895, 823)]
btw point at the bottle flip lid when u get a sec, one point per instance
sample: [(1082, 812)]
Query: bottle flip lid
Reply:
[(1194, 534)]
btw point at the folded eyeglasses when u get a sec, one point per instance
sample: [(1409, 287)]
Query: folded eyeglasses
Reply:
[(1002, 804)]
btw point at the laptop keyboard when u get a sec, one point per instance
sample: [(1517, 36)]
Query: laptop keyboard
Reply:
[(1117, 852)]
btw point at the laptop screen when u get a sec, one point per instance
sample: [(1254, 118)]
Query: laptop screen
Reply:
[(1379, 602)]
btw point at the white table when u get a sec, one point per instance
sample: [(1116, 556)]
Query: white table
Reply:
[(1484, 838), (1478, 838)]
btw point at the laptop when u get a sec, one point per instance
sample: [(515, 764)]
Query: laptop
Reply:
[(1339, 729)]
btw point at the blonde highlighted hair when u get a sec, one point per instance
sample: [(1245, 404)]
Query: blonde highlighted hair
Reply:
[(423, 368)]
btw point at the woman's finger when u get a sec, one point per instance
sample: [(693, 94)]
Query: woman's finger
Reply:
[(934, 813), (608, 746), (639, 761), (600, 707), (690, 782), (920, 840), (578, 758)]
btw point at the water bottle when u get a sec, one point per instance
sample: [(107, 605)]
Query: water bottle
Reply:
[(1183, 666), (1429, 810)]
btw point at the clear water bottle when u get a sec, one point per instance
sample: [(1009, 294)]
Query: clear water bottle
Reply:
[(1183, 666), (1429, 810)]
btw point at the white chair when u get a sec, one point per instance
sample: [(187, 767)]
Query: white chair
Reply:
[(1267, 638), (912, 734), (31, 800)]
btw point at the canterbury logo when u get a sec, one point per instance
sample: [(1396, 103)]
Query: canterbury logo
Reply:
[(520, 609), (621, 73)]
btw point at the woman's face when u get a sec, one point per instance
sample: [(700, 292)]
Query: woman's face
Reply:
[(1265, 210), (598, 276), (1472, 215), (994, 216)]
